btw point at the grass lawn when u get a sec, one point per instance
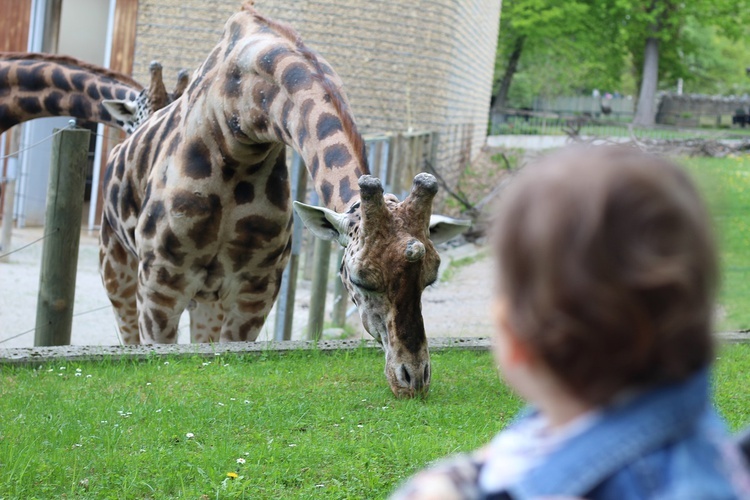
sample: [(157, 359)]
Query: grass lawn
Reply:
[(725, 183), (306, 425)]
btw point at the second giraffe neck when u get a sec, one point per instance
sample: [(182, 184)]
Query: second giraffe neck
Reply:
[(43, 85)]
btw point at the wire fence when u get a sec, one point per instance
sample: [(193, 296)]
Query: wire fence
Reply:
[(395, 158)]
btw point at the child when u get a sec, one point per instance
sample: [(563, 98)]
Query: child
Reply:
[(604, 299)]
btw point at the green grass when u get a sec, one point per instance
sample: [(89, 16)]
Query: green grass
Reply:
[(308, 425), (725, 184)]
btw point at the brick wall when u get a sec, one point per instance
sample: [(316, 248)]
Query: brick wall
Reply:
[(420, 64)]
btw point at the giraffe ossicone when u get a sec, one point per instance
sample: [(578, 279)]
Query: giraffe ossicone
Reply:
[(198, 210)]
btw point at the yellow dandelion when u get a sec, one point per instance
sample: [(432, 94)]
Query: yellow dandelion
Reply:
[(232, 475)]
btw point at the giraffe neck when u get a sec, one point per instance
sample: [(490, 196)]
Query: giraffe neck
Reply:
[(41, 85), (271, 89)]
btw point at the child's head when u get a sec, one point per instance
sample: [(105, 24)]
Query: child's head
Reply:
[(607, 269)]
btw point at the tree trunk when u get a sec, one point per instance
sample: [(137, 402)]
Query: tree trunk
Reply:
[(510, 70), (646, 111)]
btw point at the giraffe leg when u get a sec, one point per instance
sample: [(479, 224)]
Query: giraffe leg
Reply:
[(163, 294), (118, 269), (206, 319), (246, 314)]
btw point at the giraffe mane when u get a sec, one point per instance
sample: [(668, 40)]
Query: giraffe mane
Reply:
[(347, 123), (72, 61)]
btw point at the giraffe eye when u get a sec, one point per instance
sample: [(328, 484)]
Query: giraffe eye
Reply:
[(366, 282)]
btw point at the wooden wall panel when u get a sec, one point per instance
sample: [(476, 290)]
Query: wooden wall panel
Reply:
[(15, 16), (123, 40), (121, 59)]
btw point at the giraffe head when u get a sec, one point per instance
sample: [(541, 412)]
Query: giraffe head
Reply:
[(389, 260), (132, 113)]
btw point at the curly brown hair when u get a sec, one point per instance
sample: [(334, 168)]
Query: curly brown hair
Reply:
[(607, 260)]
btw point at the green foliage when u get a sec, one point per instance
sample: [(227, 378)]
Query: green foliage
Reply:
[(573, 47)]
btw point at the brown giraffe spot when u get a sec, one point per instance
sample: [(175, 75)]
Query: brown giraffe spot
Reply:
[(250, 234), (197, 160), (162, 299), (254, 284), (277, 186), (264, 94), (249, 326), (273, 258), (314, 165), (146, 262), (31, 79), (296, 77), (118, 253), (285, 116), (7, 119), (206, 228), (236, 32), (336, 156), (123, 94), (244, 192), (93, 92), (235, 126), (30, 105), (328, 125), (345, 190), (228, 171), (233, 82), (169, 248), (80, 107), (326, 191), (128, 204), (52, 102), (60, 81), (173, 281), (251, 306), (119, 167), (307, 106), (160, 318), (155, 213), (79, 80), (148, 324), (268, 61)]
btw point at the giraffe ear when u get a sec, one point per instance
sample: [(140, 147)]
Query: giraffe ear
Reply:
[(122, 110), (324, 223), (444, 228)]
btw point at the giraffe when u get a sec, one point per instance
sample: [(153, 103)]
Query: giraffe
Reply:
[(198, 212), (36, 85)]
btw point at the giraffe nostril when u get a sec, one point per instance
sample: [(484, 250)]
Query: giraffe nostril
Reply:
[(405, 373), (427, 373)]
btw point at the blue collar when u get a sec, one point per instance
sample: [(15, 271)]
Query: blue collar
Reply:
[(622, 434)]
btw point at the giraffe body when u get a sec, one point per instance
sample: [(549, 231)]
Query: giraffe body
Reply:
[(198, 210)]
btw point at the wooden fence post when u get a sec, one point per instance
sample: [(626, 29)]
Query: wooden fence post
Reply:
[(57, 280), (285, 302), (338, 315), (319, 288)]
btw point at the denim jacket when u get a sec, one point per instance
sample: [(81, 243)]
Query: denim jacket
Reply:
[(666, 443)]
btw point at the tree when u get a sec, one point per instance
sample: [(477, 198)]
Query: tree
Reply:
[(529, 24), (659, 31)]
